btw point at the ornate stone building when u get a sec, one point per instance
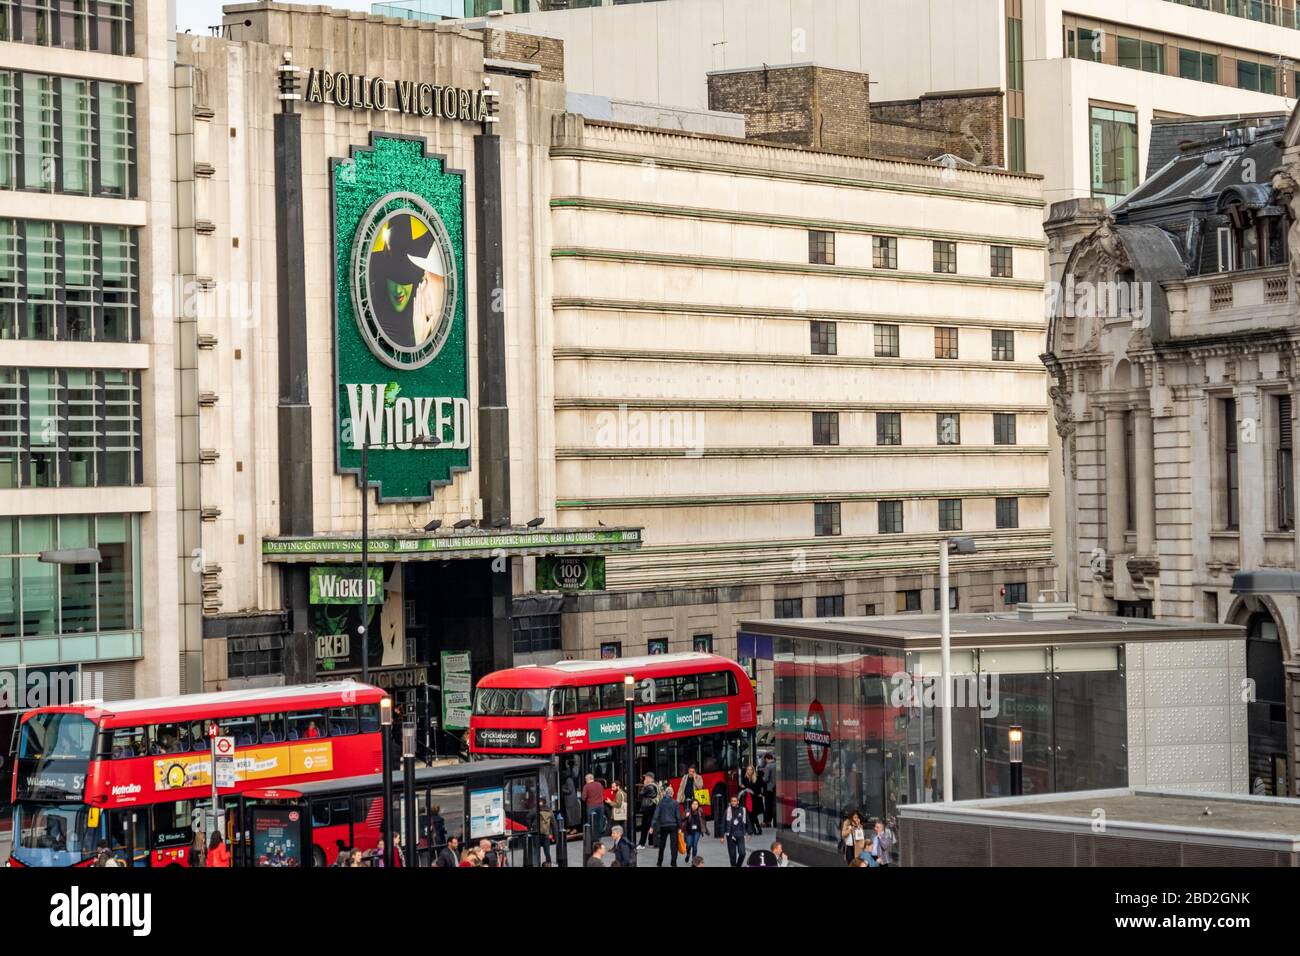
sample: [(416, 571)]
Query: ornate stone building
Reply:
[(1173, 348)]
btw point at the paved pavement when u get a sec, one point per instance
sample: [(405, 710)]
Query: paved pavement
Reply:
[(712, 852)]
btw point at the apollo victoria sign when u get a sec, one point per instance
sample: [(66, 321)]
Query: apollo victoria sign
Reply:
[(360, 92)]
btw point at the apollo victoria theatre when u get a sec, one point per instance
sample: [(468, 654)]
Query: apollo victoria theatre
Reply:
[(403, 342)]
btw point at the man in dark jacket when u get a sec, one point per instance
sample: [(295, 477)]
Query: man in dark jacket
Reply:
[(735, 824), (624, 849), (449, 855), (665, 825), (647, 801)]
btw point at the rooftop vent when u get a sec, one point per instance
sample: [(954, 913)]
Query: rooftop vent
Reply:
[(1045, 611)]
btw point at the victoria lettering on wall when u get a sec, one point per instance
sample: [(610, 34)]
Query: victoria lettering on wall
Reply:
[(359, 92)]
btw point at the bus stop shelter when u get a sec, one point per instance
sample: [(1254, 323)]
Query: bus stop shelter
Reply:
[(311, 824)]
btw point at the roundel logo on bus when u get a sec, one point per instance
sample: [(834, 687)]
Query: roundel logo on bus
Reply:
[(817, 737)]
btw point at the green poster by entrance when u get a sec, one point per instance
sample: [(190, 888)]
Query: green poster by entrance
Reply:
[(399, 318)]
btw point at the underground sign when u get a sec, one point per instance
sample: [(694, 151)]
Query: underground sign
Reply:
[(817, 737)]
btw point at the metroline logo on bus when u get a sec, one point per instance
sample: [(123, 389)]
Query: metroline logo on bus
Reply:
[(675, 720)]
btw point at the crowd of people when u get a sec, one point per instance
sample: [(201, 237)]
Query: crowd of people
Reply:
[(866, 844)]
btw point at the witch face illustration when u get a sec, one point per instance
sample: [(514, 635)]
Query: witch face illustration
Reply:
[(408, 281)]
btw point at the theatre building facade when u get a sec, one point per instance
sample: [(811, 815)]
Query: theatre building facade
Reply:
[(359, 220)]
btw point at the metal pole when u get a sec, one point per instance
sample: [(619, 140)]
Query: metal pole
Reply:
[(212, 773), (408, 781), (365, 562), (387, 735), (630, 786), (945, 692)]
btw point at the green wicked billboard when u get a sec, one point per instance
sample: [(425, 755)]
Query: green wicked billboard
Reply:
[(401, 372)]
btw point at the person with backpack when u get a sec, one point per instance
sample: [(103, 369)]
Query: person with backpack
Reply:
[(693, 827), (666, 824), (546, 830), (624, 849), (647, 801), (735, 825)]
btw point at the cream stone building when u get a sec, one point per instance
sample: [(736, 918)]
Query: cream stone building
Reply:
[(1176, 410), (87, 381), (799, 372)]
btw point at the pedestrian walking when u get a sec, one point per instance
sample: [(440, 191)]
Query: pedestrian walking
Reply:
[(647, 801), (882, 844), (690, 787), (546, 831), (618, 806), (593, 799), (198, 847), (852, 836), (218, 855), (448, 857), (747, 800), (693, 827), (735, 825), (667, 823), (624, 849)]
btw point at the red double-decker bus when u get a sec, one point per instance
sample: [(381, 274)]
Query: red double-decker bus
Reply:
[(135, 774), (691, 710)]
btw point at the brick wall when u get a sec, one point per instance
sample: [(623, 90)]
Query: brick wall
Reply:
[(966, 124), (817, 108), (547, 52)]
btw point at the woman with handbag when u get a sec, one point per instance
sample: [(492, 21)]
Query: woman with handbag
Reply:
[(693, 829)]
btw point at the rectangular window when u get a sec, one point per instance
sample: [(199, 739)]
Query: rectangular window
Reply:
[(889, 428), (821, 247), (823, 337), (949, 514), (1000, 262), (1016, 144), (10, 132), (1256, 76), (1231, 510), (826, 518), (1140, 609), (1114, 148), (884, 252), (789, 607), (1017, 593), (76, 134), (945, 257), (1008, 512), (1226, 249), (1141, 55), (1004, 345), (94, 266), (945, 342), (1285, 464), (116, 149), (948, 428), (826, 428), (1004, 428), (1194, 65), (702, 643), (886, 340), (535, 632), (78, 428), (611, 650), (1088, 45), (952, 599), (1130, 472), (830, 605), (909, 600), (38, 132), (889, 516)]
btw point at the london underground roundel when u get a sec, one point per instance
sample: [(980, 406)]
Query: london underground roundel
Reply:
[(817, 736), (403, 281)]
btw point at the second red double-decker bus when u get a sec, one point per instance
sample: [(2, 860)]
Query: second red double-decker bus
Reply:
[(132, 774), (691, 710)]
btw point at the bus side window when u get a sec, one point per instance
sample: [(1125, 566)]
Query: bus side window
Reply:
[(566, 701), (343, 720), (588, 698), (320, 813), (715, 684), (369, 718), (665, 689), (270, 728), (308, 724), (611, 696), (130, 742), (688, 687)]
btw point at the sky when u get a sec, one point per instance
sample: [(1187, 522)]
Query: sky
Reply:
[(197, 15)]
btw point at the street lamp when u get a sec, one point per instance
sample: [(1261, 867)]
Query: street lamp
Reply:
[(629, 742), (408, 785), (364, 629), (946, 547), (386, 743), (1016, 751)]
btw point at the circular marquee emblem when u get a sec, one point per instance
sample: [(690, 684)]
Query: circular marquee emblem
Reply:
[(817, 737), (403, 281)]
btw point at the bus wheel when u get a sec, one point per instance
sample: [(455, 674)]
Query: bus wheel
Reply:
[(317, 857)]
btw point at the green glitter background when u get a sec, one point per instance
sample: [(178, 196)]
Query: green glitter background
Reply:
[(397, 165)]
